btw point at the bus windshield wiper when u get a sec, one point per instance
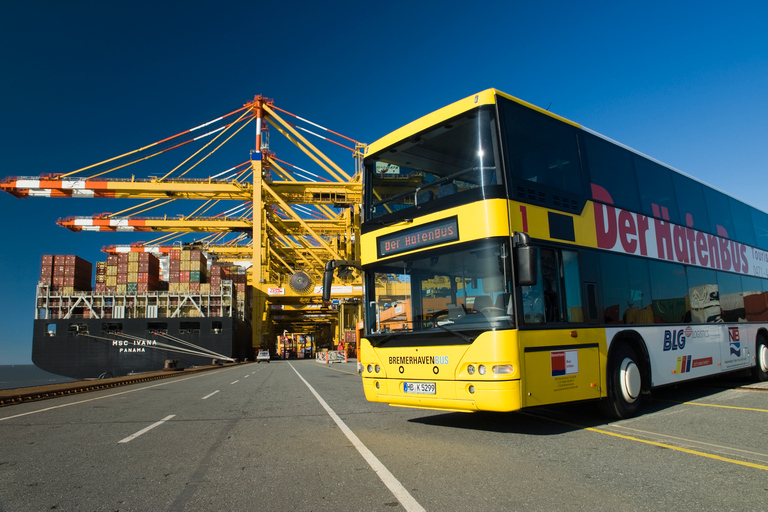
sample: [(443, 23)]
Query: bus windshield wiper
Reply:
[(456, 333)]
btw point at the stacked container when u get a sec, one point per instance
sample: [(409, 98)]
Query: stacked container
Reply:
[(128, 274), (66, 273), (188, 269)]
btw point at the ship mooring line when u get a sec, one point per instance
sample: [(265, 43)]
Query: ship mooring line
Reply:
[(408, 502)]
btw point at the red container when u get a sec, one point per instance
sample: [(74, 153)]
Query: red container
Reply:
[(100, 287), (184, 276), (122, 278), (175, 254), (112, 259), (122, 258), (46, 273), (194, 287), (122, 268), (60, 259), (174, 277), (48, 260)]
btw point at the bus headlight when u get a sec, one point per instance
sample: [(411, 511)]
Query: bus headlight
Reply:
[(471, 369), (378, 368), (481, 369), (370, 368), (503, 369)]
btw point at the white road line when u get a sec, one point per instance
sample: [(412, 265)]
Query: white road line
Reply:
[(238, 380), (403, 496), (209, 396), (247, 375), (145, 430), (163, 383)]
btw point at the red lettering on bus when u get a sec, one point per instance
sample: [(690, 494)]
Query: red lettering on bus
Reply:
[(627, 230), (745, 263), (725, 255), (663, 240), (690, 236), (642, 228), (714, 251), (605, 223), (701, 248), (681, 244)]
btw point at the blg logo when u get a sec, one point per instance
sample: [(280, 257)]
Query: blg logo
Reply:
[(674, 340)]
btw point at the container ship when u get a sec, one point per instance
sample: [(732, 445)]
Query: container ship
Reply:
[(139, 317)]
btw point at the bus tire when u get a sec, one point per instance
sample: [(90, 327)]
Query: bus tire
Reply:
[(760, 371), (625, 381)]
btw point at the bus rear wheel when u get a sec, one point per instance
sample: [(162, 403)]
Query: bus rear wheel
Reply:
[(625, 384), (760, 371)]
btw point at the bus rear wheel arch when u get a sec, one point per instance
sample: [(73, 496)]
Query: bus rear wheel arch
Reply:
[(625, 378)]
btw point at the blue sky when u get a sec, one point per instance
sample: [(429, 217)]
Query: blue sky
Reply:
[(82, 81)]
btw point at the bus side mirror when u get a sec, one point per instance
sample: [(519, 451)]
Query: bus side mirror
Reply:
[(527, 259), (345, 269)]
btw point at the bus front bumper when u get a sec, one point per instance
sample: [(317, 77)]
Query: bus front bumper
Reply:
[(459, 396)]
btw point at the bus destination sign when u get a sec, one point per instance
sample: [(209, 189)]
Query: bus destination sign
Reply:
[(427, 235)]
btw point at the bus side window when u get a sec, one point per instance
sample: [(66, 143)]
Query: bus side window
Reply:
[(556, 297)]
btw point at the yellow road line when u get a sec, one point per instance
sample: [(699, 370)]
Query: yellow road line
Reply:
[(716, 405), (655, 443)]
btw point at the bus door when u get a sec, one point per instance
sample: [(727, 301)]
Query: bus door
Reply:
[(561, 354)]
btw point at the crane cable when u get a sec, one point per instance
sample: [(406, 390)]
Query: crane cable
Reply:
[(208, 144), (153, 144)]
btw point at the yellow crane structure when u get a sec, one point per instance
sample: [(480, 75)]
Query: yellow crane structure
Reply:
[(291, 227)]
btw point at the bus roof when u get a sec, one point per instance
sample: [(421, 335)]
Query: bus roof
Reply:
[(486, 97)]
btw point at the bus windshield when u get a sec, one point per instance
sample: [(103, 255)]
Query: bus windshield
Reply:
[(467, 287), (457, 156)]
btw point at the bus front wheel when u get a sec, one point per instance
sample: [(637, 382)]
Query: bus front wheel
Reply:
[(760, 371), (625, 383)]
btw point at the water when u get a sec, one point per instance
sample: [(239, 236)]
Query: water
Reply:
[(27, 375)]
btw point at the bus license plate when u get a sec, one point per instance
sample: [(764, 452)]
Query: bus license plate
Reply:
[(421, 388)]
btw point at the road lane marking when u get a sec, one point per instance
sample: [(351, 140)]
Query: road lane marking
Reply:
[(209, 396), (165, 382), (653, 443), (145, 430), (247, 375), (716, 405), (238, 380), (691, 441), (403, 496)]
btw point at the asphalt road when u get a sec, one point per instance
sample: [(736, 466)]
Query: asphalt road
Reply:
[(300, 436)]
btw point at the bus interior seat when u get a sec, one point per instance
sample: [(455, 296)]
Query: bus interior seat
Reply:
[(482, 302)]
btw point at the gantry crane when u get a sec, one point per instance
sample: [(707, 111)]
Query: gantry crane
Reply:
[(286, 242)]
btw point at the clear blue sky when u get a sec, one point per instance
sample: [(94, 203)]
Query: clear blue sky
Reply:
[(82, 81)]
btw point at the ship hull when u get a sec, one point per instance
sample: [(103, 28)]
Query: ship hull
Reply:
[(90, 348)]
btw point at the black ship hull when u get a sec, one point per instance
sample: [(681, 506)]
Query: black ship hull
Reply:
[(90, 348)]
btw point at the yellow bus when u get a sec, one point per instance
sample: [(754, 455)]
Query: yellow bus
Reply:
[(513, 258)]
